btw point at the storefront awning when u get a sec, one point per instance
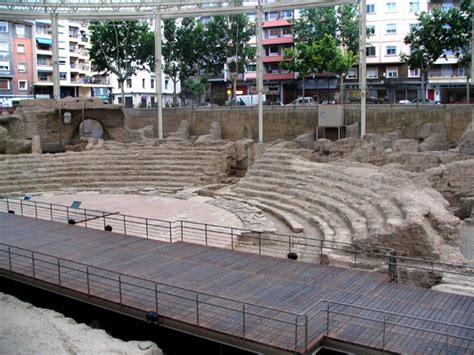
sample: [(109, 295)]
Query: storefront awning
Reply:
[(46, 41)]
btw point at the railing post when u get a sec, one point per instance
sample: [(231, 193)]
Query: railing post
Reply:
[(296, 334), (33, 264), (232, 238), (171, 233), (355, 257), (289, 244), (51, 211), (67, 213), (103, 216), (85, 217), (36, 210), (205, 232), (88, 282), (327, 321), (447, 339), (9, 258), (321, 245), (8, 205), (146, 227), (181, 230), (59, 272), (124, 226), (197, 309), (305, 333), (383, 334), (243, 321), (259, 243), (120, 288), (156, 298), (21, 207)]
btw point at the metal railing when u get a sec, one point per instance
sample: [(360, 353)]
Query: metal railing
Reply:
[(263, 243), (249, 321), (388, 328)]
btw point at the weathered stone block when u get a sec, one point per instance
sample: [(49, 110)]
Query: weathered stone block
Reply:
[(405, 145), (18, 146)]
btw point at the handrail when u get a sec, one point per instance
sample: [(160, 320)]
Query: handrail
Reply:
[(200, 298), (177, 229)]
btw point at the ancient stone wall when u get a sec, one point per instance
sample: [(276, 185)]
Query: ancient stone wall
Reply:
[(289, 122)]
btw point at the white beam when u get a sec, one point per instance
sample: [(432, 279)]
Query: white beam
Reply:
[(158, 75), (56, 81), (259, 21), (362, 65)]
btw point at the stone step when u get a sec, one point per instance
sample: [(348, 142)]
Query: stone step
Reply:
[(337, 222), (457, 289), (344, 206), (325, 227), (386, 206)]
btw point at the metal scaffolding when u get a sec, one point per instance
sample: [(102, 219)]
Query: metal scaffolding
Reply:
[(162, 9)]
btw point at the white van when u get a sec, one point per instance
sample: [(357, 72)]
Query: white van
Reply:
[(300, 101)]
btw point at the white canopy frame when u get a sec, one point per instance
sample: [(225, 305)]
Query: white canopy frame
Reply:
[(162, 9)]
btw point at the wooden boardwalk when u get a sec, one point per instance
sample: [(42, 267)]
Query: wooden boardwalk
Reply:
[(278, 303)]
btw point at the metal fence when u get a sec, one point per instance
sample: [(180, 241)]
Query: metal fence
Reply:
[(263, 243), (241, 319)]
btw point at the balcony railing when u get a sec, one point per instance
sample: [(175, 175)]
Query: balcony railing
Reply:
[(447, 73)]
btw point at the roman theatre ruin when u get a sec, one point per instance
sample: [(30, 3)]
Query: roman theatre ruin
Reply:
[(406, 187)]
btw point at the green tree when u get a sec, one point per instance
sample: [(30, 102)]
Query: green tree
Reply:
[(120, 48), (427, 44), (348, 28), (181, 49), (238, 31), (299, 59), (313, 24)]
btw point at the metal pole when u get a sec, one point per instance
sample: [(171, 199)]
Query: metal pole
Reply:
[(33, 264), (156, 298), (8, 205), (243, 321), (327, 321), (124, 226), (9, 258), (260, 72), (85, 217), (171, 233), (205, 232), (296, 333), (146, 226), (259, 243), (21, 207), (120, 288), (232, 238), (36, 210), (158, 74), (383, 335), (59, 272), (362, 64), (56, 82), (181, 230), (306, 332), (51, 211), (88, 282), (197, 309)]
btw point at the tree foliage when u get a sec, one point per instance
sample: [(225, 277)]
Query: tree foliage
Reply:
[(436, 33), (120, 47)]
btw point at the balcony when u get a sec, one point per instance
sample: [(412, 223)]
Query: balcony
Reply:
[(285, 39), (273, 58), (276, 23), (279, 75), (456, 75), (44, 67)]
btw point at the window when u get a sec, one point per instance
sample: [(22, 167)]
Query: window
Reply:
[(42, 76), (352, 74), (3, 26), (391, 50), (370, 51), (287, 14), (42, 60), (152, 83), (371, 30), (4, 84), (143, 83), (273, 51), (4, 66), (166, 84), (20, 48), (21, 67), (62, 45), (273, 15), (413, 73), (391, 28), (372, 73), (20, 30), (62, 61), (119, 99), (62, 76), (286, 31), (414, 26), (251, 67), (392, 72), (391, 6), (414, 6), (22, 85), (370, 8), (446, 6), (129, 83), (4, 46)]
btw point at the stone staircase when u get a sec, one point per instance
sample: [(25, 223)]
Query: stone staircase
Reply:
[(133, 167), (345, 202)]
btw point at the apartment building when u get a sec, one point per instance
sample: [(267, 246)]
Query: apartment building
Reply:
[(388, 78), (16, 62), (447, 79), (140, 90), (75, 72)]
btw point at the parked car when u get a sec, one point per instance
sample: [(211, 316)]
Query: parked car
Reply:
[(300, 101), (369, 100), (419, 101)]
